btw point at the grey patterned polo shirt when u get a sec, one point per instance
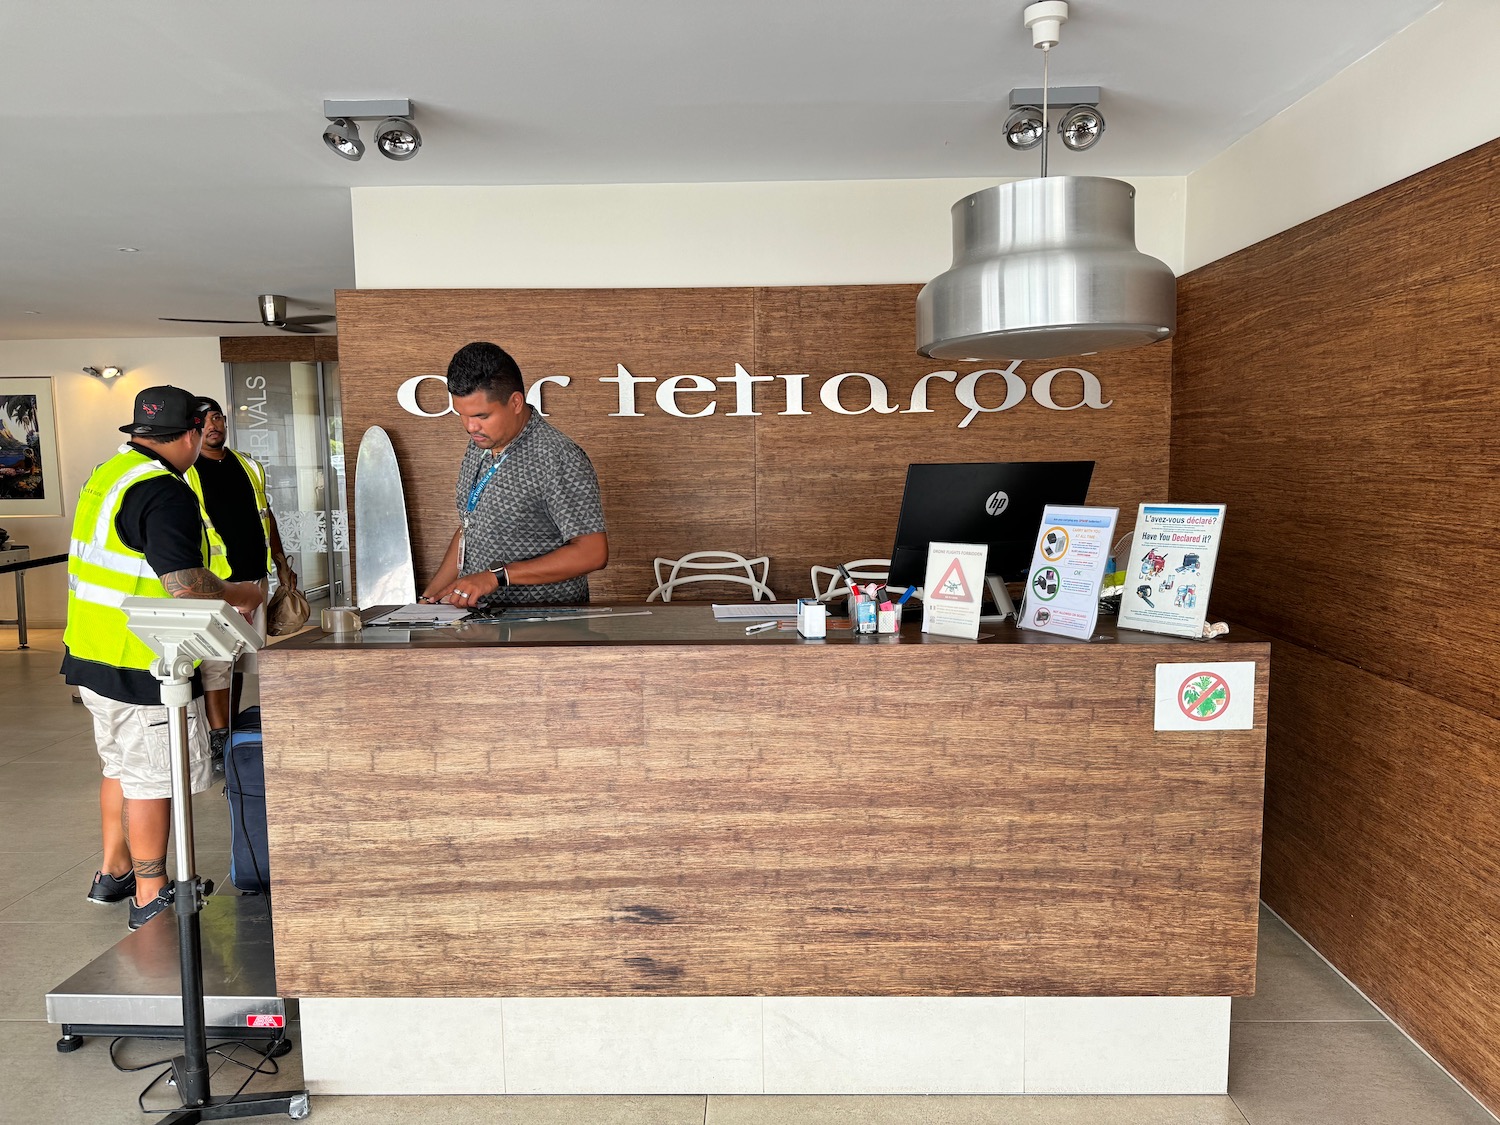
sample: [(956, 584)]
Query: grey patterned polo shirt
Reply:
[(544, 494)]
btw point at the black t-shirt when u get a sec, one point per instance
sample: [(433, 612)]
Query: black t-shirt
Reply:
[(229, 498), (160, 518)]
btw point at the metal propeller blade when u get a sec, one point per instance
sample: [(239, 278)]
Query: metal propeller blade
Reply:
[(204, 320), (273, 315)]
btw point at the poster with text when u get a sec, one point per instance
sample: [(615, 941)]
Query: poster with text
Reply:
[(953, 589), (30, 476), (1067, 569), (1170, 568)]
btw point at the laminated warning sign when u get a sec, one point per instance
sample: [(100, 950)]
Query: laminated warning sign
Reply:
[(1208, 696), (953, 589)]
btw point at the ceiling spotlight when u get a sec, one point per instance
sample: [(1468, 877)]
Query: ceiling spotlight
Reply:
[(342, 136), (105, 373), (1024, 127), (397, 139), (1081, 127)]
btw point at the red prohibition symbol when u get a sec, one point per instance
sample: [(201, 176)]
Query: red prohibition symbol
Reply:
[(1203, 696)]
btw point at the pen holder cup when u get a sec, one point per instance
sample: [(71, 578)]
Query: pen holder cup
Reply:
[(889, 620), (864, 615)]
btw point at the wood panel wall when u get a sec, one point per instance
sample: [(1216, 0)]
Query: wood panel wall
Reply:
[(878, 820), (804, 489), (1337, 386), (294, 348)]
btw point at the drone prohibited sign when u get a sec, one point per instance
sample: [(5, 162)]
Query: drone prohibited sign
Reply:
[(1219, 696)]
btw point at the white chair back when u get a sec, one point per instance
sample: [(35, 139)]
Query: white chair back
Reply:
[(713, 566)]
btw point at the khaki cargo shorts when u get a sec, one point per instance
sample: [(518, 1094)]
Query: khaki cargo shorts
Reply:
[(135, 748), (216, 673)]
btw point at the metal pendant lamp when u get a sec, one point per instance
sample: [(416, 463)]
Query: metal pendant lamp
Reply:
[(1046, 267)]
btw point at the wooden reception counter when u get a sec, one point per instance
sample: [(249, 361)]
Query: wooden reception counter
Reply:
[(658, 806)]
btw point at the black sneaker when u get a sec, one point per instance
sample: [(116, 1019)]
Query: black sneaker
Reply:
[(217, 740), (140, 915), (108, 889)]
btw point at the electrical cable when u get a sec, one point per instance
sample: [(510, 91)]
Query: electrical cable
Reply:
[(229, 1056)]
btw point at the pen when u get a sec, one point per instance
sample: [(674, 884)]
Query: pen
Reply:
[(910, 590), (849, 581), (761, 628)]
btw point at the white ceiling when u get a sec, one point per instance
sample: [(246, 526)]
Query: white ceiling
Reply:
[(192, 131)]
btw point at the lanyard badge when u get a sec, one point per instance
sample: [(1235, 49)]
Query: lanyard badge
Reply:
[(474, 494)]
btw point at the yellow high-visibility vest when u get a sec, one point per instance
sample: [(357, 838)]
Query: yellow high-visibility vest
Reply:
[(257, 474), (103, 570)]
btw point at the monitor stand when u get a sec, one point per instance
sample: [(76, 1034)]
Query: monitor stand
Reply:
[(1004, 607)]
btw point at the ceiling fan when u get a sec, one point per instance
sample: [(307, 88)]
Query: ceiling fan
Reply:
[(272, 315)]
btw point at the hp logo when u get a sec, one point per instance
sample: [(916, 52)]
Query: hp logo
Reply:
[(997, 503)]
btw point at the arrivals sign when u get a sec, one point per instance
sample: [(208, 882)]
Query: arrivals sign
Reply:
[(991, 390)]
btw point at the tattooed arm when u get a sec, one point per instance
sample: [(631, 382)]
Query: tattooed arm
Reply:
[(201, 583)]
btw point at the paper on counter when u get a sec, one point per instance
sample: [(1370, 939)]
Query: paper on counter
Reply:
[(418, 613), (754, 609)]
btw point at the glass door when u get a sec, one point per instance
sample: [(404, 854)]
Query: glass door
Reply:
[(288, 416)]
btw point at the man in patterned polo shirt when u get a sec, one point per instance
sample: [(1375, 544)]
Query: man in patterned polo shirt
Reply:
[(531, 527)]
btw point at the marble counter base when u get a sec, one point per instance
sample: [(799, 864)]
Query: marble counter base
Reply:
[(770, 1045)]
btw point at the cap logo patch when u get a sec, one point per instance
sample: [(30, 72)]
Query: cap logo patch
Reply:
[(151, 409)]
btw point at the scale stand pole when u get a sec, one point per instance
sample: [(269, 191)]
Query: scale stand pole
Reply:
[(190, 1069)]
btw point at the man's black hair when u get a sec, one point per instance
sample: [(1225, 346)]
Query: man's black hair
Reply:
[(160, 439), (484, 367)]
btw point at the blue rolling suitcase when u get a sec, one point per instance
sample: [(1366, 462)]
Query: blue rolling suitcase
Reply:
[(245, 787)]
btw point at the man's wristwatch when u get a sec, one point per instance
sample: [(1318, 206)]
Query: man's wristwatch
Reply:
[(501, 576)]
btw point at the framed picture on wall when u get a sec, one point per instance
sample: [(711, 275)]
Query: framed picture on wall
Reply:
[(30, 474)]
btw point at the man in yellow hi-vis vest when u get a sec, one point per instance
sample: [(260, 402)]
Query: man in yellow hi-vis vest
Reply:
[(139, 530), (232, 490)]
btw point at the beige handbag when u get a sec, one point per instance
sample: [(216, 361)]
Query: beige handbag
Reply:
[(288, 610)]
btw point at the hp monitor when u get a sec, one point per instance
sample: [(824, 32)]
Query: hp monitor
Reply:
[(997, 504)]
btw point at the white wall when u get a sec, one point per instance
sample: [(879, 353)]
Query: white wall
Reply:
[(672, 235), (89, 414), (1425, 95)]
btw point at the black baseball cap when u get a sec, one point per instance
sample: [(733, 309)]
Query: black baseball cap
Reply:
[(164, 410), (209, 406)]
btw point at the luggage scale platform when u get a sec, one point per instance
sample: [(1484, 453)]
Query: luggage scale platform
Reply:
[(136, 987)]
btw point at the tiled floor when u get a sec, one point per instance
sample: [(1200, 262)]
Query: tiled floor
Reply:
[(1306, 1050)]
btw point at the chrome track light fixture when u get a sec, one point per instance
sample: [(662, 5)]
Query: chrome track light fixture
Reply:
[(396, 138), (1080, 127), (1024, 127), (342, 136)]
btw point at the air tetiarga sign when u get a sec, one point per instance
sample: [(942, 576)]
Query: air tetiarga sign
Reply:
[(698, 396)]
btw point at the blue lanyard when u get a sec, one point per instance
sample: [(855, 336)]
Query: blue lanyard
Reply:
[(478, 489)]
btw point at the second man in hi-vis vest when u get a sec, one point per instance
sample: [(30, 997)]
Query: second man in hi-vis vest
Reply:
[(245, 545)]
